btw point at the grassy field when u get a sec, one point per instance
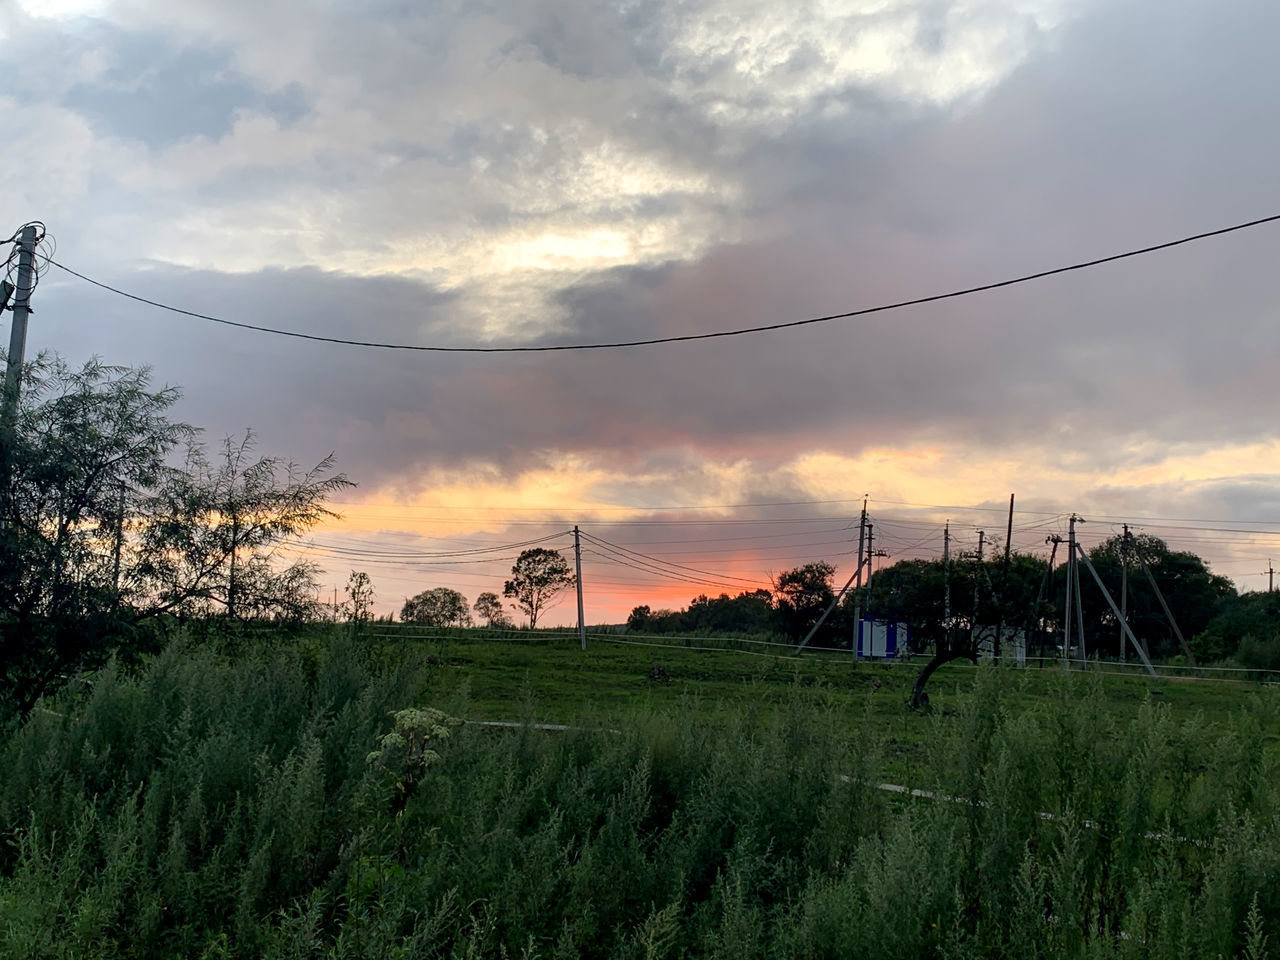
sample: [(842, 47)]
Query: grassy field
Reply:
[(554, 681), (320, 796)]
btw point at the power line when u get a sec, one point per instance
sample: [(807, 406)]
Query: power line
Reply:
[(612, 523), (601, 542), (757, 536), (595, 509), (665, 575), (385, 551), (681, 338)]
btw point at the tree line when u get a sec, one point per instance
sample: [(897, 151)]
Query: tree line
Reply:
[(1025, 594)]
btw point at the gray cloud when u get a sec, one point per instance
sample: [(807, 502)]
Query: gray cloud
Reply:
[(1133, 122), (152, 92)]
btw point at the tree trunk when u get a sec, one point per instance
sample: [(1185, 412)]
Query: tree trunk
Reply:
[(918, 697)]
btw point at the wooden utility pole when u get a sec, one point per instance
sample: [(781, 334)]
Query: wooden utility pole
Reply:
[(577, 563), (21, 311), (1037, 613), (973, 619), (1004, 584), (1068, 609), (946, 576), (871, 536), (1271, 577), (857, 592), (1124, 594), (1084, 653)]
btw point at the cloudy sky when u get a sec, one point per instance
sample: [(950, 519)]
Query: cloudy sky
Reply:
[(524, 173)]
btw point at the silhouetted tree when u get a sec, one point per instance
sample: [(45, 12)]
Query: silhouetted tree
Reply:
[(1249, 623), (359, 596), (537, 577), (489, 609), (1194, 593), (441, 607), (802, 594)]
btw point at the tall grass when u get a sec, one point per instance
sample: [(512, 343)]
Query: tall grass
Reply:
[(263, 805)]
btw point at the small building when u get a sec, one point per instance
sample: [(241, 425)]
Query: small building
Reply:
[(881, 639)]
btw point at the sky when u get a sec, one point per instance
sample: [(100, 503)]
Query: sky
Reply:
[(534, 173)]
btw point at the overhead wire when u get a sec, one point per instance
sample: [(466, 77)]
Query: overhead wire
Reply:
[(679, 338), (711, 580), (600, 541), (496, 548)]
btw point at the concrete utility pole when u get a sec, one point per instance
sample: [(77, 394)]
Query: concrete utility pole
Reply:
[(21, 310), (577, 562)]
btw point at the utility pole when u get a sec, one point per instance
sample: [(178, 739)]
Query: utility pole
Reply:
[(973, 619), (577, 562), (1071, 570), (1124, 594), (1075, 583), (1046, 581), (946, 578), (835, 601), (857, 592), (1271, 577), (1004, 584), (21, 311), (871, 536)]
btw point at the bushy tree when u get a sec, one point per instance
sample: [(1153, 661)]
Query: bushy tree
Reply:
[(751, 611), (913, 592), (209, 545), (802, 594), (1248, 624), (489, 609), (640, 618), (538, 576), (1194, 593), (101, 532), (441, 607), (79, 462)]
